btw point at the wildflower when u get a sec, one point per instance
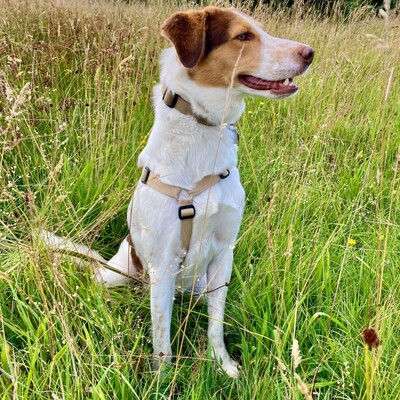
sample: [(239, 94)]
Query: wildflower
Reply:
[(381, 237), (370, 337), (249, 112), (351, 242)]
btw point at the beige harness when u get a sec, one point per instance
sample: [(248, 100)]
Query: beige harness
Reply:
[(186, 209)]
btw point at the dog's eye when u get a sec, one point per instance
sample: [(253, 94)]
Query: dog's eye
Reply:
[(243, 37)]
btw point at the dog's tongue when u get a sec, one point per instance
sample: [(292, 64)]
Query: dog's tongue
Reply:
[(258, 83), (282, 86)]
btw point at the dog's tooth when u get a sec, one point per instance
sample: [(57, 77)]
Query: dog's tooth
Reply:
[(286, 82)]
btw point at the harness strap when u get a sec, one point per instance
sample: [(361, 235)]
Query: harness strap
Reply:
[(186, 210), (150, 178), (186, 213)]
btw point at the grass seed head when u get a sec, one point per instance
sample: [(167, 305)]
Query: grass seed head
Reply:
[(296, 353), (370, 337), (302, 387)]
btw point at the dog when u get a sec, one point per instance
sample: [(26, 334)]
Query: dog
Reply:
[(186, 211)]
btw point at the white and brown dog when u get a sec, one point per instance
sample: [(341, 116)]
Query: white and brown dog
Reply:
[(185, 214)]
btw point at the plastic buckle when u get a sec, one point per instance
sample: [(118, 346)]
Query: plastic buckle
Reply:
[(222, 176), (145, 175), (170, 99), (186, 212)]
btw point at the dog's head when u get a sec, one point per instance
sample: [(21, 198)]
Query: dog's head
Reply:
[(224, 48)]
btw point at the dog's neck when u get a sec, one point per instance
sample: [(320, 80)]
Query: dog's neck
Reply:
[(217, 105), (181, 150)]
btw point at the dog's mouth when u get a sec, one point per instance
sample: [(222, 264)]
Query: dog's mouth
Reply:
[(282, 87)]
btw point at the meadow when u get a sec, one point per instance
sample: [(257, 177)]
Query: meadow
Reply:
[(317, 258)]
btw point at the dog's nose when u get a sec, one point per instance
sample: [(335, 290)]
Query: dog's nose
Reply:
[(307, 54)]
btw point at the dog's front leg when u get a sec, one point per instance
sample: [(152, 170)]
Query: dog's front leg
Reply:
[(218, 275), (162, 289)]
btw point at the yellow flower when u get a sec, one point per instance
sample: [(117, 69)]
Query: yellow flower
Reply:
[(351, 242), (249, 112), (394, 192), (261, 103), (381, 237)]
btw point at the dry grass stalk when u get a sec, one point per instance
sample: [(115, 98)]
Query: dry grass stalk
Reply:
[(296, 353), (303, 387), (281, 364), (12, 133), (21, 98), (5, 87), (389, 85), (385, 11)]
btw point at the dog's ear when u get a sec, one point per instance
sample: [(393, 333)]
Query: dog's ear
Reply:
[(187, 32)]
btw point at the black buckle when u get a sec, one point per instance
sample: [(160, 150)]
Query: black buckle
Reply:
[(186, 214), (222, 176), (145, 175), (170, 98)]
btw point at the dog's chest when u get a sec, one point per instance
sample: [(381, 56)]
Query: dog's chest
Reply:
[(214, 234)]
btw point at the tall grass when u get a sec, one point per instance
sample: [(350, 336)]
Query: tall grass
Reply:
[(317, 257)]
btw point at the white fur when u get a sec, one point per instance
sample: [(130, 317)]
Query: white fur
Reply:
[(182, 152), (272, 68)]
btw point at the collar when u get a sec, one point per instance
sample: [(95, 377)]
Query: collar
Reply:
[(173, 100)]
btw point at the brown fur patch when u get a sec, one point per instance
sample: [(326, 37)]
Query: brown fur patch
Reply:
[(207, 44), (218, 23), (186, 31), (134, 257), (195, 33), (216, 67)]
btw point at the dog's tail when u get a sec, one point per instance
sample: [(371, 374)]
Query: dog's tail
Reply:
[(118, 270), (64, 245)]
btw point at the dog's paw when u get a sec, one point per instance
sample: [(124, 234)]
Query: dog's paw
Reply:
[(231, 368)]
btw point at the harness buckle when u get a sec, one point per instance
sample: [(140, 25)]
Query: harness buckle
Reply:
[(225, 174), (170, 98), (145, 175), (186, 212)]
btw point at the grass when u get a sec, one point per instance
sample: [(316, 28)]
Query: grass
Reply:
[(318, 252)]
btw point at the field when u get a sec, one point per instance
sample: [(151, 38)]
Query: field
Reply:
[(317, 258)]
